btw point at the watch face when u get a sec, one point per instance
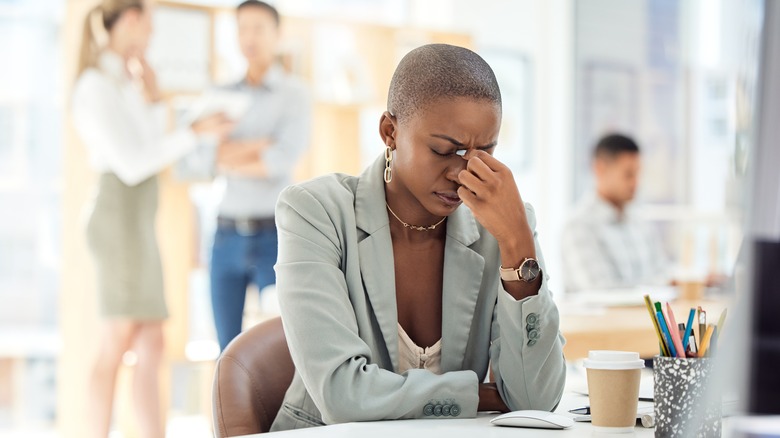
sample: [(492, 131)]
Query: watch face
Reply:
[(529, 270)]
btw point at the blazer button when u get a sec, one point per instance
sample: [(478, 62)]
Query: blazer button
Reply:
[(533, 334), (428, 410), (532, 342), (532, 318), (445, 410), (530, 327), (455, 410), (437, 410)]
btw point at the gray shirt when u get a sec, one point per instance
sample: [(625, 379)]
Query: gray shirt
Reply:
[(605, 249), (280, 110)]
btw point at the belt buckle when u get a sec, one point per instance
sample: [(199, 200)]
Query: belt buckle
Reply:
[(244, 227)]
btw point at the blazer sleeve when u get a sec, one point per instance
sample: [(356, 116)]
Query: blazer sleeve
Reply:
[(335, 364), (526, 351)]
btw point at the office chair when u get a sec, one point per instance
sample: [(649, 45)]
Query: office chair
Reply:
[(251, 378)]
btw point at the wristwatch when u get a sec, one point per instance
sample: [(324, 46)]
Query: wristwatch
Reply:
[(527, 272)]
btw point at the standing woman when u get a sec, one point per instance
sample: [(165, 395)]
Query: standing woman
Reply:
[(118, 116)]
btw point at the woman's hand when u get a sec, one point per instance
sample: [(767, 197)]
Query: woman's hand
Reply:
[(488, 188), (143, 72), (489, 399), (217, 125)]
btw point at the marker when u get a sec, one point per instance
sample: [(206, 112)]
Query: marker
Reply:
[(692, 344), (689, 330)]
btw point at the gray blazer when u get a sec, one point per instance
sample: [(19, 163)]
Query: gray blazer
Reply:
[(336, 288)]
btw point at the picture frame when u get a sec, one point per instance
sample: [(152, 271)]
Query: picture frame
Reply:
[(182, 60)]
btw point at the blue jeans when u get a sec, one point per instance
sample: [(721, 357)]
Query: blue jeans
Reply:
[(236, 261)]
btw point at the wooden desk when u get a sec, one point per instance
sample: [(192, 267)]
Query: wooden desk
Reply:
[(622, 328)]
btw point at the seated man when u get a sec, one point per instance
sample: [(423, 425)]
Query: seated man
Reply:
[(604, 246)]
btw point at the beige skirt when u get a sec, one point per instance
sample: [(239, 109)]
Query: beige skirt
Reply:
[(122, 241)]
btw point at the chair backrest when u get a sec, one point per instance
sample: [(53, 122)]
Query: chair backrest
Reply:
[(252, 376)]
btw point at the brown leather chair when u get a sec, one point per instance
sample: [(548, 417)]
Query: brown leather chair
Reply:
[(252, 376)]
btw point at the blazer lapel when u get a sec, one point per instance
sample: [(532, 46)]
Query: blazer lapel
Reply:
[(463, 268), (376, 254)]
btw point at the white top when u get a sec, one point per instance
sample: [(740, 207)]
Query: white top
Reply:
[(411, 356), (603, 248), (123, 133)]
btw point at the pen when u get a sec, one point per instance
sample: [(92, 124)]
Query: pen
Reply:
[(585, 410), (674, 331), (661, 343), (665, 329), (689, 330)]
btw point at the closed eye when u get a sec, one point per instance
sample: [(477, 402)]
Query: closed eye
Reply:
[(462, 152)]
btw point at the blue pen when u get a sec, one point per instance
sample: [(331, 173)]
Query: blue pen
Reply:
[(688, 329), (667, 335)]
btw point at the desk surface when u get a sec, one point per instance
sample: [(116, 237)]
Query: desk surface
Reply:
[(472, 427), (454, 428), (621, 328)]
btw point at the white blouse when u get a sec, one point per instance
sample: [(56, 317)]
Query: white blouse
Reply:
[(123, 133), (411, 356)]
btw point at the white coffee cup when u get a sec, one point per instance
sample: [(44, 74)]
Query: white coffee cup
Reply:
[(613, 388)]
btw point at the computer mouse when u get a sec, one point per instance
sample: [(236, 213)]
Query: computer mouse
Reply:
[(536, 419)]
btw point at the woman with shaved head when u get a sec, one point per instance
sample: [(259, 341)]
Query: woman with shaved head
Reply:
[(400, 289)]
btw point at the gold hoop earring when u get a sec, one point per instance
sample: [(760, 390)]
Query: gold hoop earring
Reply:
[(388, 169)]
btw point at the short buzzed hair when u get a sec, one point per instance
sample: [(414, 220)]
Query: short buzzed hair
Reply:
[(436, 71), (262, 5), (612, 145)]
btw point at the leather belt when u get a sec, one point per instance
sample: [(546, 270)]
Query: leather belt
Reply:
[(247, 225)]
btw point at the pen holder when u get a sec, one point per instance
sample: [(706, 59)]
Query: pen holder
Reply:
[(683, 407)]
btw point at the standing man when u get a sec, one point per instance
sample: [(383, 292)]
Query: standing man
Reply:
[(604, 245), (256, 162)]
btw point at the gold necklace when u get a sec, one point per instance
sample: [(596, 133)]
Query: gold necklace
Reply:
[(415, 227)]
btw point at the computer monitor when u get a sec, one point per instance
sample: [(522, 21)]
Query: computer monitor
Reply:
[(763, 231)]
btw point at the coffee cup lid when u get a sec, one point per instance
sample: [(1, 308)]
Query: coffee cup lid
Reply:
[(613, 360)]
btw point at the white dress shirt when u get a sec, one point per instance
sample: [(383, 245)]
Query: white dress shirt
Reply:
[(603, 248), (123, 133)]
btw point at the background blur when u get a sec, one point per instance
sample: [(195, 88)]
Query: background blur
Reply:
[(679, 76)]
